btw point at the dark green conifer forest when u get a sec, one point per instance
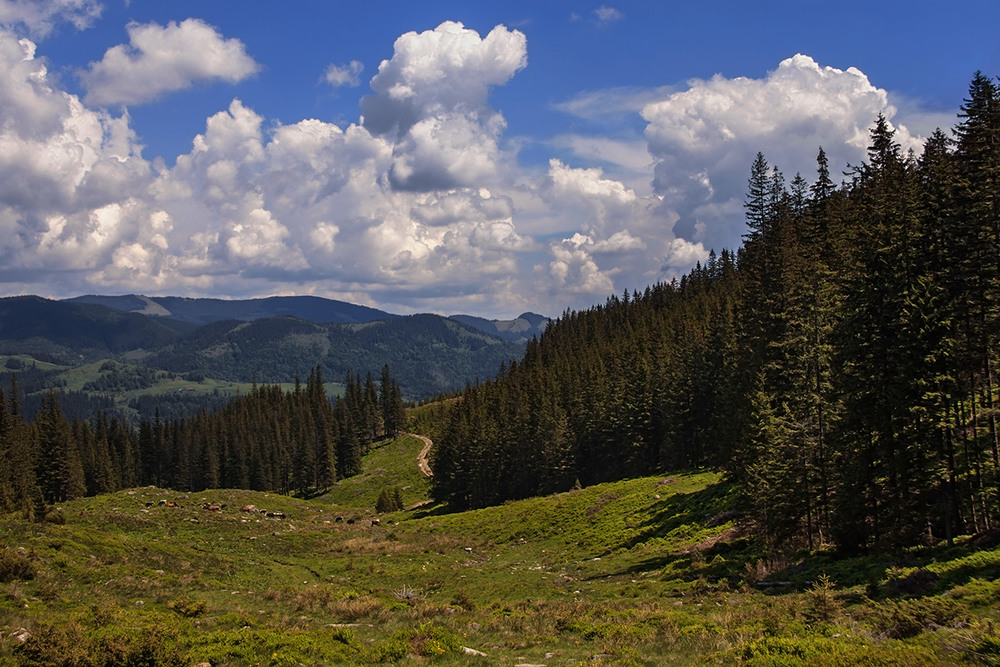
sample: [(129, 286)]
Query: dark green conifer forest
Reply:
[(268, 440), (840, 366)]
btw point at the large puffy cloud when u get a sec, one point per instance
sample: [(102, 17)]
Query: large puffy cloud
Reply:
[(310, 203), (702, 141), (70, 177), (417, 207), (624, 239), (40, 17), (574, 270), (432, 97), (705, 138), (160, 59), (309, 207)]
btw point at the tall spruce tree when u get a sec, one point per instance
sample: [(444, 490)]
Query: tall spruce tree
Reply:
[(58, 469)]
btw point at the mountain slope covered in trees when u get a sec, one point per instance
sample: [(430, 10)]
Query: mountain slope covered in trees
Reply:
[(206, 311), (433, 354), (841, 366), (312, 308)]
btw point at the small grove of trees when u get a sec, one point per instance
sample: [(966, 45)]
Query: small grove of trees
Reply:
[(389, 500), (842, 366), (296, 441)]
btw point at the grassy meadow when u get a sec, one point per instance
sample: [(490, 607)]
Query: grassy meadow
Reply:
[(649, 571)]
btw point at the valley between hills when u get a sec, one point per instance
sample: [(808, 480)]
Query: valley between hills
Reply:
[(647, 571)]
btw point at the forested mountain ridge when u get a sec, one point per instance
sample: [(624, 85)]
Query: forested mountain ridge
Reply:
[(205, 311), (524, 327), (312, 308), (80, 329), (840, 366), (433, 354)]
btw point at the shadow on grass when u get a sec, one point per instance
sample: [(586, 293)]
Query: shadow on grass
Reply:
[(434, 509), (687, 519), (684, 514), (911, 573)]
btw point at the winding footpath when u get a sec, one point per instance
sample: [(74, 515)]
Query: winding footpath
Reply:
[(422, 463)]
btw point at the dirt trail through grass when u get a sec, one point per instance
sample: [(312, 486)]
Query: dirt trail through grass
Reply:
[(422, 463)]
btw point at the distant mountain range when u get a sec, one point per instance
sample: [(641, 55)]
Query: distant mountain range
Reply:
[(267, 340), (312, 308), (205, 311)]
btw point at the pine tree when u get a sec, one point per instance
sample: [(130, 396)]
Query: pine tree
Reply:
[(978, 194), (58, 468), (391, 404)]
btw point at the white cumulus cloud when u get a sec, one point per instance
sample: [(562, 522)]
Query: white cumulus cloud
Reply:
[(161, 59), (70, 178), (704, 138), (344, 75), (40, 17), (416, 207), (432, 98)]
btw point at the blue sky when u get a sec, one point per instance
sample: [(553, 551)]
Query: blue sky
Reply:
[(485, 158)]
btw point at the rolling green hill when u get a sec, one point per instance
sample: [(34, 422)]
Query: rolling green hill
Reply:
[(649, 571)]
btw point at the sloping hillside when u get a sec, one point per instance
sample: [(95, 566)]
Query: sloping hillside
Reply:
[(649, 571), (65, 332)]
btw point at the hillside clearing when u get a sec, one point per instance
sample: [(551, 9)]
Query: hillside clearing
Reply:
[(640, 572)]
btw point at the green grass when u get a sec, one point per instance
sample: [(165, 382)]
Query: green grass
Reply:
[(28, 361), (639, 572), (389, 464)]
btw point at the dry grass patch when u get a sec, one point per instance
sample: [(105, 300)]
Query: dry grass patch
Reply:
[(375, 545)]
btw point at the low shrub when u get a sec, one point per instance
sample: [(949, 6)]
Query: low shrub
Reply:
[(187, 607), (908, 618), (774, 650), (915, 581), (15, 565), (464, 601), (49, 645), (69, 644), (143, 647), (986, 651), (979, 592), (343, 635)]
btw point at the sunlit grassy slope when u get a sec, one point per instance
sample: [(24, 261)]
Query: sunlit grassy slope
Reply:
[(649, 571)]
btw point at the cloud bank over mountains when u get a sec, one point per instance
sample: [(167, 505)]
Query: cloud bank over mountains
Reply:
[(422, 204)]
